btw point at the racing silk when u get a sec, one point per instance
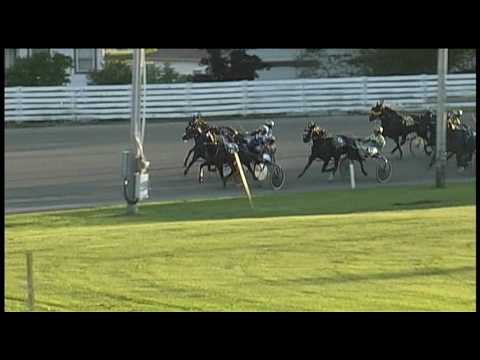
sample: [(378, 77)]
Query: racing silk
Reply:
[(454, 122), (260, 137), (376, 140), (408, 121)]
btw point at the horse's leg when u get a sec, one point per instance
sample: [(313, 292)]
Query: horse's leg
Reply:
[(188, 155), (425, 149), (251, 171), (324, 167), (332, 170), (335, 166), (310, 161), (195, 158), (401, 152), (361, 166), (200, 173), (220, 171), (396, 147), (432, 161)]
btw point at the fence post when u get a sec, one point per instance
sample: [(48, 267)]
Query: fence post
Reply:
[(424, 88), (303, 105), (74, 103), (188, 95), (30, 288), (19, 103), (245, 97), (365, 91), (352, 174)]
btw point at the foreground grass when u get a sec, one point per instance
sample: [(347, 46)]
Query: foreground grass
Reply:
[(322, 251)]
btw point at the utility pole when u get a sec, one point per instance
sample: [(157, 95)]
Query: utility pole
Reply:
[(441, 141), (134, 164)]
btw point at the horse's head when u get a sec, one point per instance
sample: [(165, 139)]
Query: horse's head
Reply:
[(196, 126), (319, 134), (190, 132), (376, 111), (307, 133)]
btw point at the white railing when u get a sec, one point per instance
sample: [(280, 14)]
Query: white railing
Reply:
[(237, 98)]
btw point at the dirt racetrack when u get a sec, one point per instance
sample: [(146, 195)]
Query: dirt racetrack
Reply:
[(79, 165)]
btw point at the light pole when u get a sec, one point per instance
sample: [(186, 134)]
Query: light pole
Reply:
[(134, 164), (441, 140)]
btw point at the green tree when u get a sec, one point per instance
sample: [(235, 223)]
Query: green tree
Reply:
[(40, 69), (384, 62), (117, 72), (114, 72), (232, 64)]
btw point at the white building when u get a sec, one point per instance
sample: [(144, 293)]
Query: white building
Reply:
[(84, 61)]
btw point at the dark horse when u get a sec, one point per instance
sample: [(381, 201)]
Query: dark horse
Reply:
[(218, 151), (395, 126), (197, 130), (461, 142), (325, 147), (425, 128)]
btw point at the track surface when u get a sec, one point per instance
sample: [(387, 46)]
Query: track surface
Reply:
[(79, 165)]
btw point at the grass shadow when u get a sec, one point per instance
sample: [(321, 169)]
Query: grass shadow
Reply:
[(277, 205), (347, 278)]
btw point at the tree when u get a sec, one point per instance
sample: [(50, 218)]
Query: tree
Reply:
[(40, 69), (384, 62), (114, 72), (119, 72), (231, 64), (217, 64), (244, 66)]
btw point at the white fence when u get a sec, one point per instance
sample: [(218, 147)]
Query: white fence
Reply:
[(237, 98)]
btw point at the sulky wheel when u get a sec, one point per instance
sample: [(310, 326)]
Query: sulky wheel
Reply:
[(384, 171), (277, 177)]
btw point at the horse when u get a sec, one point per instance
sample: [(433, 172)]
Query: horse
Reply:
[(196, 130), (425, 128), (325, 147), (218, 151), (461, 142), (395, 126)]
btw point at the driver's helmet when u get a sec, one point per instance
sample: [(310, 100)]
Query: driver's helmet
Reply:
[(458, 113), (378, 130), (270, 124), (264, 130)]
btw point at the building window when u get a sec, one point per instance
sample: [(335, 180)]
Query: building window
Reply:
[(38, 51), (10, 55), (85, 60)]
